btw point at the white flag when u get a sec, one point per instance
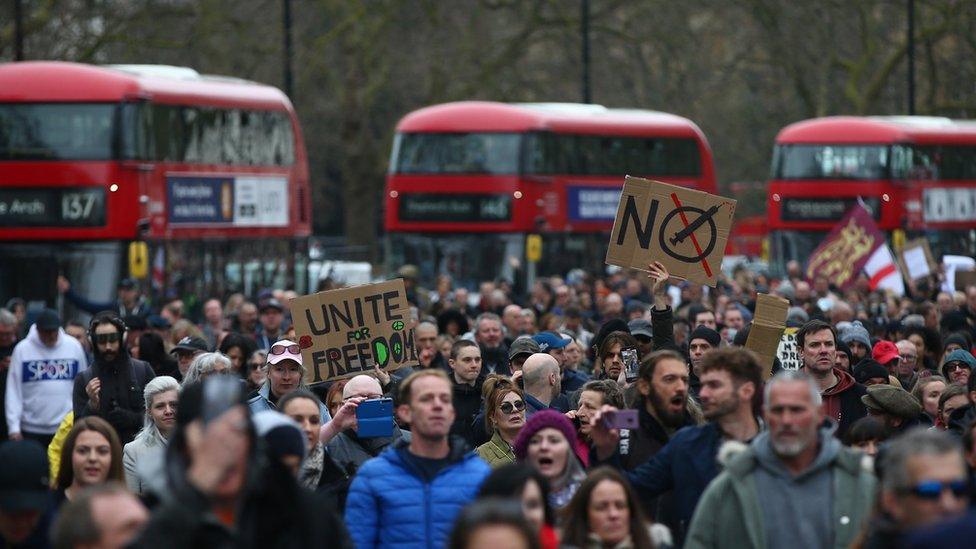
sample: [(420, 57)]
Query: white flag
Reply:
[(883, 272)]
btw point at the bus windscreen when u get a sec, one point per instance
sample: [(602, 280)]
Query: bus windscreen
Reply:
[(456, 153), (72, 131), (857, 162)]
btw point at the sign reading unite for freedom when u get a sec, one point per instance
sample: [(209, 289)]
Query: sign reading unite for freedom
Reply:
[(346, 332)]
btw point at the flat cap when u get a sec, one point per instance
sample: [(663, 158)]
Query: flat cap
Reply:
[(892, 400), (524, 345)]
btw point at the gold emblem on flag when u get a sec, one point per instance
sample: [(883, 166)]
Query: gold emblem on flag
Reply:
[(837, 259)]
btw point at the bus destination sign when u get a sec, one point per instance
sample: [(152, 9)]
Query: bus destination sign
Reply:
[(466, 207), (52, 207), (824, 209)]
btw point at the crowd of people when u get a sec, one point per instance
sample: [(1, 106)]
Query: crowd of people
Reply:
[(594, 411)]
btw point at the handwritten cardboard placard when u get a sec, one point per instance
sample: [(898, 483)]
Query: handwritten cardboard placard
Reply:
[(345, 332), (915, 259), (767, 329), (788, 351), (684, 229)]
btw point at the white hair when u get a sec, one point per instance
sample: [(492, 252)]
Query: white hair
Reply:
[(149, 434), (204, 364), (793, 376)]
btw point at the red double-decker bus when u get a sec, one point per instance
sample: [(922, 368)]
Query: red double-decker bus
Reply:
[(916, 174), (468, 181), (209, 171)]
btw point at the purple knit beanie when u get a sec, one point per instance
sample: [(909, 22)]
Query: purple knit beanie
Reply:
[(541, 420)]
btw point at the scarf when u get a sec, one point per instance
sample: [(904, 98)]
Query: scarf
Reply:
[(563, 487), (311, 470)]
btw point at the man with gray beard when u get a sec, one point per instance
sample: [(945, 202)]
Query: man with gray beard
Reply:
[(793, 486)]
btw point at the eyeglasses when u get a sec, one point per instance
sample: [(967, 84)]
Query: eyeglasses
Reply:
[(907, 358), (953, 366), (933, 489), (107, 338), (371, 396), (278, 349), (514, 406)]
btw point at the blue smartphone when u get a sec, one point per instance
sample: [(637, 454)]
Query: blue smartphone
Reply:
[(375, 418)]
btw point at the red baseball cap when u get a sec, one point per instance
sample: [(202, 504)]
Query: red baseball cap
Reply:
[(884, 352)]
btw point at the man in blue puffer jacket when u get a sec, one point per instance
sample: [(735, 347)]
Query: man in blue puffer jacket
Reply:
[(410, 494)]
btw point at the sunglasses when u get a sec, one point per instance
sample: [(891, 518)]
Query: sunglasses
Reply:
[(107, 338), (953, 366), (281, 349), (933, 489), (509, 407)]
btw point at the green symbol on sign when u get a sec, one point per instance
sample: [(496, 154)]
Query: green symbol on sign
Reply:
[(398, 325), (396, 348), (382, 354)]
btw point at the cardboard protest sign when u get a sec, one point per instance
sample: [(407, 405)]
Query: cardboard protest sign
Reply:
[(915, 259), (343, 333), (965, 279), (950, 265), (684, 229), (788, 351), (766, 332)]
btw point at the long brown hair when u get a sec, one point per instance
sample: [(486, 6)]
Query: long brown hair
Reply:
[(66, 474), (494, 390), (576, 516)]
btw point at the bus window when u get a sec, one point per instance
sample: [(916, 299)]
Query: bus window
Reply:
[(560, 154), (941, 162), (460, 153), (73, 131), (832, 162)]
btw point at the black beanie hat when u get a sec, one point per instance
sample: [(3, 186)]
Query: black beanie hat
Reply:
[(708, 334), (957, 338), (844, 348), (869, 368)]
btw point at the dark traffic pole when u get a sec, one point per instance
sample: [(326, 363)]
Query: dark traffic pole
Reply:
[(286, 21), (18, 30), (585, 31), (911, 57)]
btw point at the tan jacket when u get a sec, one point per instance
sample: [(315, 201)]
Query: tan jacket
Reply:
[(496, 451)]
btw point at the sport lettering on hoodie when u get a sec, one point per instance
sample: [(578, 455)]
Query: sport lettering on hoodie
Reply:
[(59, 369)]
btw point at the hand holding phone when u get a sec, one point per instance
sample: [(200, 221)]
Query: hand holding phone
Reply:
[(631, 359), (375, 418), (620, 419)]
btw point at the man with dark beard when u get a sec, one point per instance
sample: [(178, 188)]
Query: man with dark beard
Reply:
[(113, 387), (664, 407), (730, 379)]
